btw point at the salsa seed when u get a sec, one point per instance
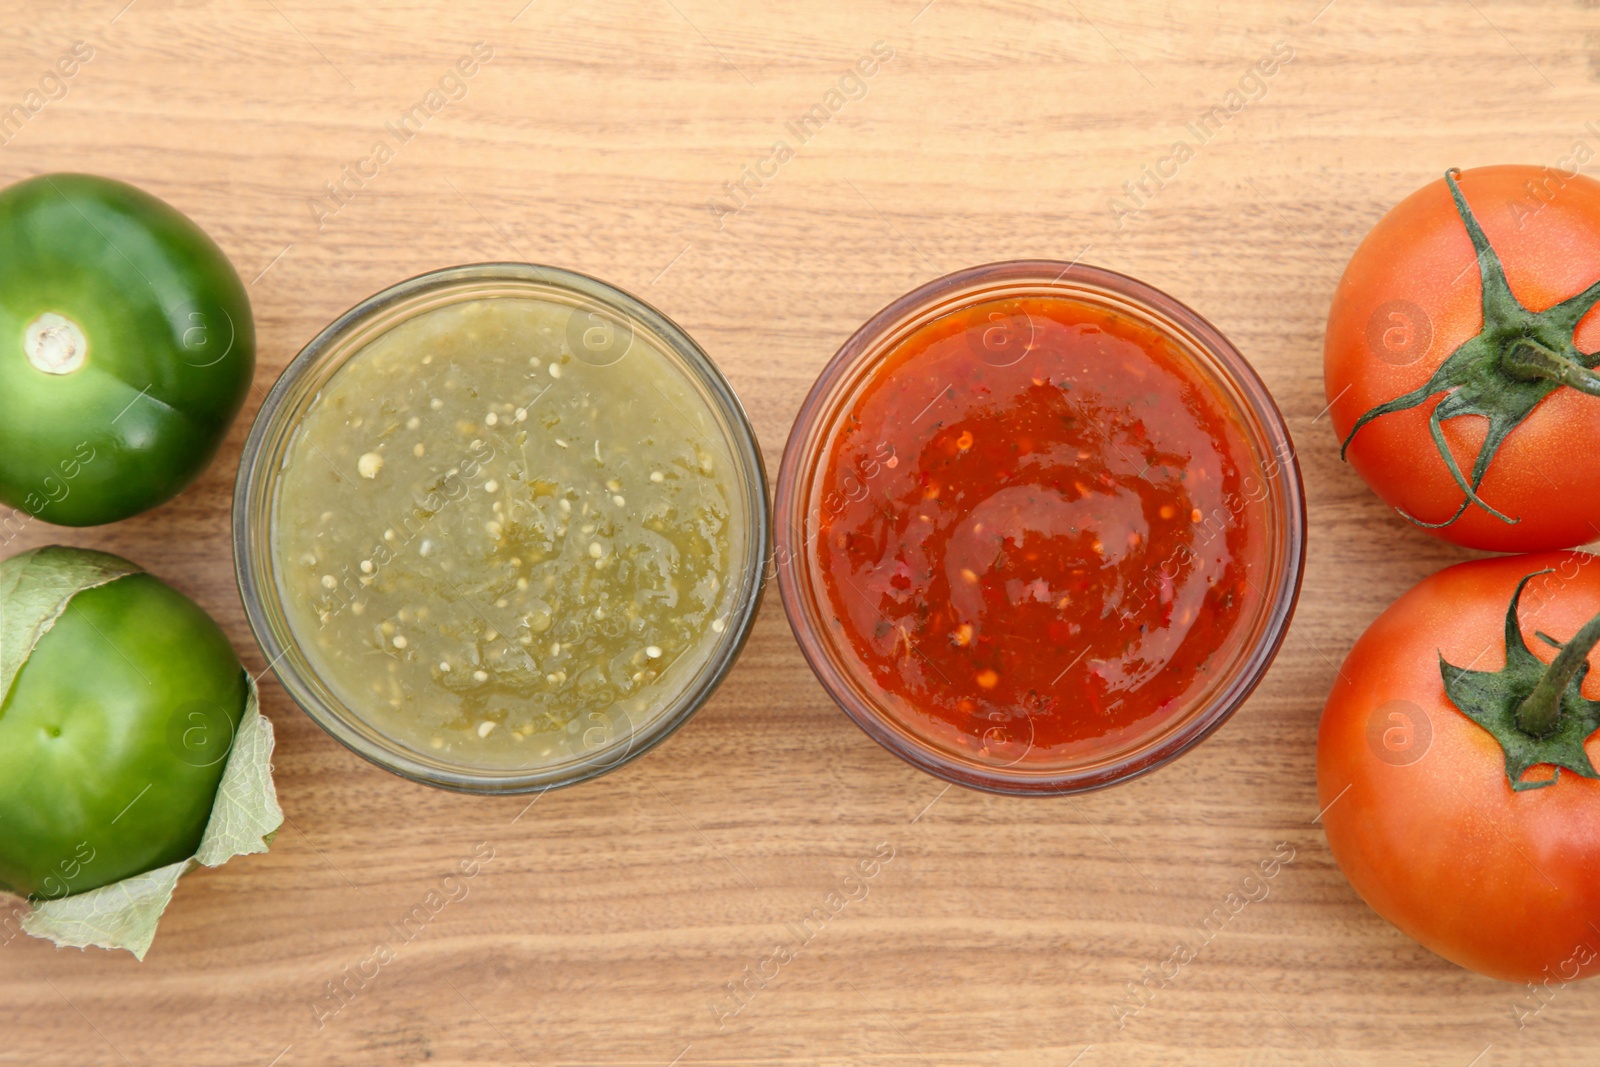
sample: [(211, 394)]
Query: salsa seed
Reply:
[(369, 465), (413, 422), (400, 641), (329, 581), (491, 486), (657, 476), (653, 651), (366, 566), (485, 727), (555, 370), (435, 404), (491, 419), (988, 679), (418, 449)]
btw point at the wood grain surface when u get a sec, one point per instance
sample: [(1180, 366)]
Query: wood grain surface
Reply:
[(599, 136)]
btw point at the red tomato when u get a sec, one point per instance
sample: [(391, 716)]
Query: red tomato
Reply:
[(1420, 813), (1413, 296)]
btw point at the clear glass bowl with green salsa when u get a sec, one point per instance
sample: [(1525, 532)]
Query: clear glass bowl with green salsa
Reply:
[(501, 528)]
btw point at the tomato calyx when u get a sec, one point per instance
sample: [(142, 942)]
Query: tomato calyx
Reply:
[(1536, 711), (1516, 360)]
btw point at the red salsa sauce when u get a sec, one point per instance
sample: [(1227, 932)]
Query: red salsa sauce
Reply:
[(1035, 529)]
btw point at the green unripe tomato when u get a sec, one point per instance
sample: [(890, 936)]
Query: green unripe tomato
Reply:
[(113, 738), (126, 349)]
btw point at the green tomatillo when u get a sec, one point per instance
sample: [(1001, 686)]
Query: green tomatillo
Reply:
[(120, 700), (126, 349)]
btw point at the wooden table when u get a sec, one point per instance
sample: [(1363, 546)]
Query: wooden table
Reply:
[(602, 137)]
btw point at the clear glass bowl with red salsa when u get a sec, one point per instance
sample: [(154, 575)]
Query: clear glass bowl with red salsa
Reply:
[(1039, 528)]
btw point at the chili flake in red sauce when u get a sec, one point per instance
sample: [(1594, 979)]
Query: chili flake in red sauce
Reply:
[(1032, 529)]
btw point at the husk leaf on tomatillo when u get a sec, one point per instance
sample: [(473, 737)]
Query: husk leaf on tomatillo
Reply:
[(132, 747)]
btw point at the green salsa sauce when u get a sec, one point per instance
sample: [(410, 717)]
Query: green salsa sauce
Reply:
[(500, 554)]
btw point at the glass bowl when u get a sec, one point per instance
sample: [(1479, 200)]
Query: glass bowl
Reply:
[(624, 318), (893, 720)]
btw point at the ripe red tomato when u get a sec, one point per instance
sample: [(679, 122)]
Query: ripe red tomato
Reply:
[(1420, 812), (1514, 312)]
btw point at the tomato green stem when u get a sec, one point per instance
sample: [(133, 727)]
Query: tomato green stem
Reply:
[(1540, 712), (1528, 360)]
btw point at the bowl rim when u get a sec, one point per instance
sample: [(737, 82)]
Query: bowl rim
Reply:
[(1072, 280), (255, 487)]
